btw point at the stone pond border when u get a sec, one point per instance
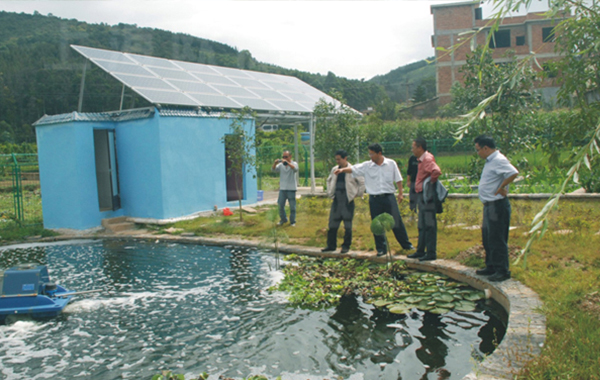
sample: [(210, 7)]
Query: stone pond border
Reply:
[(525, 333)]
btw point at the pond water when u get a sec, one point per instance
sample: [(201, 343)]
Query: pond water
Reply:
[(193, 308)]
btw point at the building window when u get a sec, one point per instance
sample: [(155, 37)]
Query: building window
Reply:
[(548, 34), (520, 40), (500, 39), (478, 14)]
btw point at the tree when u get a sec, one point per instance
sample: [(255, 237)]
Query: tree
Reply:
[(420, 94), (506, 118), (240, 145), (336, 128)]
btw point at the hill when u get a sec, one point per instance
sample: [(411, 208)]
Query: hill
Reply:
[(403, 83)]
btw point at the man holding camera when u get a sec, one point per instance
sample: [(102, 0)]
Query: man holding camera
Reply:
[(287, 170)]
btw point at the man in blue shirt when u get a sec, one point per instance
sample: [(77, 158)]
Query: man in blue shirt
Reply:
[(497, 174)]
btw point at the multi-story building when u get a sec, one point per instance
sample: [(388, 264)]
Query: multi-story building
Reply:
[(525, 35)]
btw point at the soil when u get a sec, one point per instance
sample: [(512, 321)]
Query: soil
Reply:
[(478, 251), (591, 304)]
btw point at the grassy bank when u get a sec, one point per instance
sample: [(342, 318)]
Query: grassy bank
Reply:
[(563, 268)]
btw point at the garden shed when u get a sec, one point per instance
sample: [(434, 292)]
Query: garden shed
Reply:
[(165, 162)]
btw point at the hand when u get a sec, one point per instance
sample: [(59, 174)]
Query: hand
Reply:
[(337, 171), (502, 191), (278, 160), (400, 197)]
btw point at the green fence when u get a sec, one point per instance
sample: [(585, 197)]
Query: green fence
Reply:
[(20, 197)]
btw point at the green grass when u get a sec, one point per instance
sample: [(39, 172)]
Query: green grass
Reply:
[(564, 269), (10, 229)]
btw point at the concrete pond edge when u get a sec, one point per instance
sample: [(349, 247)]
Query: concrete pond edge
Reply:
[(525, 333)]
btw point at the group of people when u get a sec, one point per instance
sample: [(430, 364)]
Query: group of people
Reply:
[(380, 177)]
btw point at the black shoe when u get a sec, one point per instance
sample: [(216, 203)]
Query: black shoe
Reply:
[(416, 255), (497, 277), (345, 250), (485, 272), (409, 248), (328, 249), (428, 257), (381, 253)]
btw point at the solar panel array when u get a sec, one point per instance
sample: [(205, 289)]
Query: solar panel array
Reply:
[(165, 81)]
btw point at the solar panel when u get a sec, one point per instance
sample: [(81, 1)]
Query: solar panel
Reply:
[(164, 81), (216, 101), (172, 74), (194, 87), (134, 81), (235, 91), (258, 104), (124, 68), (165, 97)]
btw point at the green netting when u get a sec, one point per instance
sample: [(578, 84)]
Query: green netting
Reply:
[(20, 187)]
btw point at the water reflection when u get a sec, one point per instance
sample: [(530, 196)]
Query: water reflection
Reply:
[(193, 308)]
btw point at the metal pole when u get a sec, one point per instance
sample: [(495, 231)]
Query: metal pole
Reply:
[(79, 107), (312, 154), (357, 149), (122, 96), (296, 152)]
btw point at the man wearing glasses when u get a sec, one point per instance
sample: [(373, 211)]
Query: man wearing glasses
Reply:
[(287, 170), (380, 175)]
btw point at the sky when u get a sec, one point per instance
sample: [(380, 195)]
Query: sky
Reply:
[(352, 39)]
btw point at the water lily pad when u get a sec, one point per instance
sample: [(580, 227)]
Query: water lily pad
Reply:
[(396, 305), (444, 297), (400, 310), (474, 296), (430, 289), (381, 303), (413, 299), (465, 306), (445, 305), (438, 310), (381, 223)]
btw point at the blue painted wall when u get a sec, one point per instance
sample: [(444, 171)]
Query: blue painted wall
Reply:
[(193, 165), (169, 167), (68, 176)]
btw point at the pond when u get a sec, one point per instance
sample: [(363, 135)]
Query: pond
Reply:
[(192, 308)]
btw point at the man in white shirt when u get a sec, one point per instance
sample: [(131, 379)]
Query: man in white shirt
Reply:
[(380, 175), (497, 174)]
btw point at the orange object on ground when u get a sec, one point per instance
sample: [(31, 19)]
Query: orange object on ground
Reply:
[(227, 211)]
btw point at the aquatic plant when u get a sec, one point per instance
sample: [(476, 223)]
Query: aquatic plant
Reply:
[(317, 283)]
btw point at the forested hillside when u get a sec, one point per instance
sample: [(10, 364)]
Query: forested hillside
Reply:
[(40, 74), (413, 81)]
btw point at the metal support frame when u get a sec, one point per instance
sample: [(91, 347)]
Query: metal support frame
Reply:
[(311, 128), (122, 96), (80, 105)]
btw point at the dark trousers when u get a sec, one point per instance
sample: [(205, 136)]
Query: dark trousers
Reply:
[(341, 210), (494, 233), (427, 226), (378, 204), (289, 195)]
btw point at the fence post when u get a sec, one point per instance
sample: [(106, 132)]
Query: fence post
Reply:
[(17, 190)]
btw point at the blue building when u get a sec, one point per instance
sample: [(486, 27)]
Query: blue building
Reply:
[(164, 162)]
